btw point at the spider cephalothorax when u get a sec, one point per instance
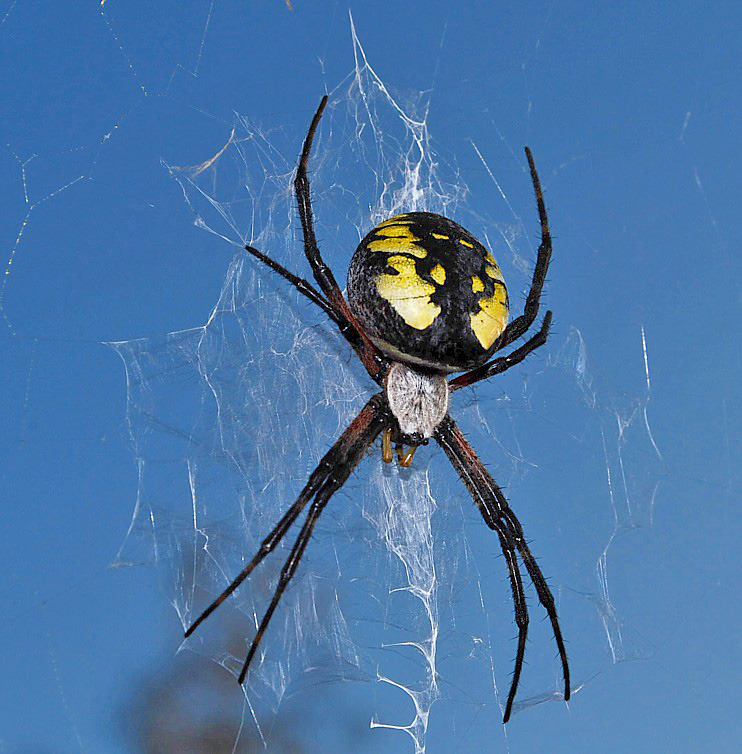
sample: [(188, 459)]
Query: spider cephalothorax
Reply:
[(425, 299)]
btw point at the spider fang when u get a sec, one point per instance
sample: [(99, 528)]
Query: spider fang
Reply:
[(405, 457), (386, 446)]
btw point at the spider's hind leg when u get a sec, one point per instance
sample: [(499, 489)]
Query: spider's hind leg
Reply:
[(521, 324), (322, 273), (375, 362), (347, 330), (503, 363)]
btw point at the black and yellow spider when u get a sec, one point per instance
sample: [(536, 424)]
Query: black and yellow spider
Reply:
[(425, 299)]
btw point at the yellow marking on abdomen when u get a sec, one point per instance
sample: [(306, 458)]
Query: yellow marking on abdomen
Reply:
[(395, 239), (466, 243), (439, 236), (397, 245), (494, 272), (492, 317), (396, 220), (438, 274), (477, 286), (408, 293)]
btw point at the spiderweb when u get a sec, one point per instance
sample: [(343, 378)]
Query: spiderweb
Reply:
[(402, 595), (226, 419)]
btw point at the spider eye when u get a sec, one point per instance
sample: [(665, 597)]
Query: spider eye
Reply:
[(415, 439), (427, 292)]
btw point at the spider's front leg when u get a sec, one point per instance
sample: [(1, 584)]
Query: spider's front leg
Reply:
[(499, 516), (329, 476)]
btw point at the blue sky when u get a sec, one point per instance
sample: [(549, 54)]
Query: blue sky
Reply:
[(139, 145)]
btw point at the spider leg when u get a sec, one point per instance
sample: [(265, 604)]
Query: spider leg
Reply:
[(521, 610), (304, 287), (331, 473), (268, 544), (322, 273), (371, 357), (503, 363), (498, 515), (347, 330), (516, 585), (520, 324), (292, 562), (545, 597)]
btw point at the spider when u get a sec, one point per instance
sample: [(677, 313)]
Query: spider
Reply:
[(425, 299)]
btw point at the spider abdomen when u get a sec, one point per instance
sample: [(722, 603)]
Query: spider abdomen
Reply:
[(427, 292)]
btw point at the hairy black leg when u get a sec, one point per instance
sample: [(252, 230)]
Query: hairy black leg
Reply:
[(503, 363), (520, 324), (291, 564), (516, 581), (338, 461), (301, 285), (375, 362), (352, 450), (347, 330), (498, 515), (546, 598), (521, 613), (322, 273), (268, 544)]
